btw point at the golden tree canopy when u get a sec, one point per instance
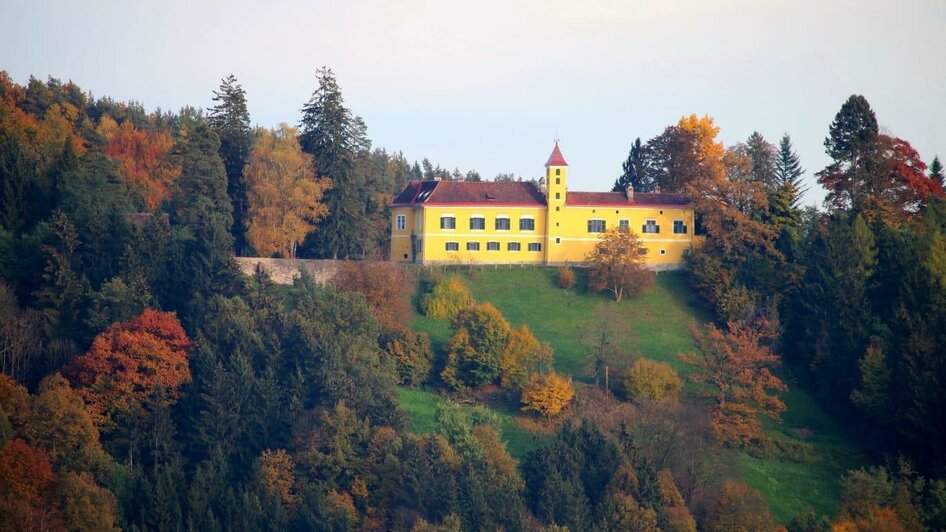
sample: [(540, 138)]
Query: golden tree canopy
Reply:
[(284, 196), (616, 264)]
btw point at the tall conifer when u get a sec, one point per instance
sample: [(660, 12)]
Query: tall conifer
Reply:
[(788, 170), (231, 121), (635, 171)]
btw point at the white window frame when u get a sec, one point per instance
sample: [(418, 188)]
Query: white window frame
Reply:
[(686, 230), (527, 217), (604, 225), (448, 215), (480, 216), (503, 217), (400, 222), (656, 225)]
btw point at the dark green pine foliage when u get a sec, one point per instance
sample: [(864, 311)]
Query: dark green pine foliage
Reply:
[(851, 142), (831, 319), (764, 158), (936, 171), (201, 213), (335, 139), (788, 170), (231, 120), (635, 172)]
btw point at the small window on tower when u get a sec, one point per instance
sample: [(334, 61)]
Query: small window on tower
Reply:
[(558, 171), (558, 196), (558, 181)]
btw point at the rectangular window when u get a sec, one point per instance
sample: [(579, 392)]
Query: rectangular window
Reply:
[(472, 246), (492, 246), (596, 226), (558, 181), (558, 195), (624, 225), (651, 227), (513, 246), (558, 240), (448, 222), (477, 223), (679, 228), (526, 224), (453, 246), (502, 223), (535, 246), (663, 251), (400, 222)]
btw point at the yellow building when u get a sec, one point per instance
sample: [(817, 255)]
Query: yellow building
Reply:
[(435, 222)]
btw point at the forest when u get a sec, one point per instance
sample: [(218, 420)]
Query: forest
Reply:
[(146, 384)]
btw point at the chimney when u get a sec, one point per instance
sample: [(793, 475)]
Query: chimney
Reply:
[(437, 178), (629, 192)]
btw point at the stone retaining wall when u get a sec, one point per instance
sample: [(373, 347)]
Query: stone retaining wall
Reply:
[(283, 271)]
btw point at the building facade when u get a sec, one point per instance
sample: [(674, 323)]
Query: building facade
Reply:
[(438, 222)]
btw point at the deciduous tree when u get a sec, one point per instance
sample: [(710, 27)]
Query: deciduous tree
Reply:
[(128, 360), (616, 264), (652, 381), (144, 158), (736, 365), (547, 393), (284, 197), (474, 354)]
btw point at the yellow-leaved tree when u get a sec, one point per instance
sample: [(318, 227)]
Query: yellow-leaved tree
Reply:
[(616, 264), (284, 196), (547, 393)]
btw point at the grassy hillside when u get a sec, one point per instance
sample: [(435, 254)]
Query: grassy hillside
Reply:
[(809, 451)]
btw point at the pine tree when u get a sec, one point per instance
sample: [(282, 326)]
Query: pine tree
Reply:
[(231, 120), (763, 156), (336, 140), (788, 169), (936, 171), (635, 171), (851, 142)]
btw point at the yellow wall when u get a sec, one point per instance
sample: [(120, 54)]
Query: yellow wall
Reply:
[(562, 232)]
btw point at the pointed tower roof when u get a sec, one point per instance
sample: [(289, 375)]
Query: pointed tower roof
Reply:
[(556, 159)]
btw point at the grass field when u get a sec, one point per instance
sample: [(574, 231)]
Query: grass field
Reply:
[(654, 325)]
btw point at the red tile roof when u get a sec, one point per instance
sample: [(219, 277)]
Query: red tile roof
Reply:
[(470, 192), (556, 159), (619, 198)]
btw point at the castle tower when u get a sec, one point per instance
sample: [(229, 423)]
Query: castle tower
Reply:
[(556, 172)]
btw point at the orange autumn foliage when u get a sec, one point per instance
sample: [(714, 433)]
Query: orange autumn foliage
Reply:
[(128, 360), (736, 365), (27, 488), (144, 158)]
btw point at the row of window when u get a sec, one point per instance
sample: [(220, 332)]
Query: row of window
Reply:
[(493, 246), (650, 226), (478, 223)]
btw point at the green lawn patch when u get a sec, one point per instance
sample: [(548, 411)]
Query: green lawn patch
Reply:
[(421, 406)]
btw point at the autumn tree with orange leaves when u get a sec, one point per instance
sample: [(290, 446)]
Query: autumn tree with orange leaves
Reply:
[(284, 195), (616, 264), (128, 360), (736, 366), (144, 158)]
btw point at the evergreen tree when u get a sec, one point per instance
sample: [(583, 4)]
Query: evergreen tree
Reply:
[(763, 156), (936, 171), (335, 139), (635, 172), (851, 142), (231, 120), (788, 169)]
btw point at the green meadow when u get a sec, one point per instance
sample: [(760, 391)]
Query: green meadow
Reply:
[(808, 452)]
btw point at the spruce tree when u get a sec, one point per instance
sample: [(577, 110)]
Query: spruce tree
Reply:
[(936, 171), (851, 142), (635, 171), (788, 169), (231, 121), (336, 140), (764, 157)]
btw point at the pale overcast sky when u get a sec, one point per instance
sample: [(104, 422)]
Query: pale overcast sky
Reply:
[(487, 84)]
